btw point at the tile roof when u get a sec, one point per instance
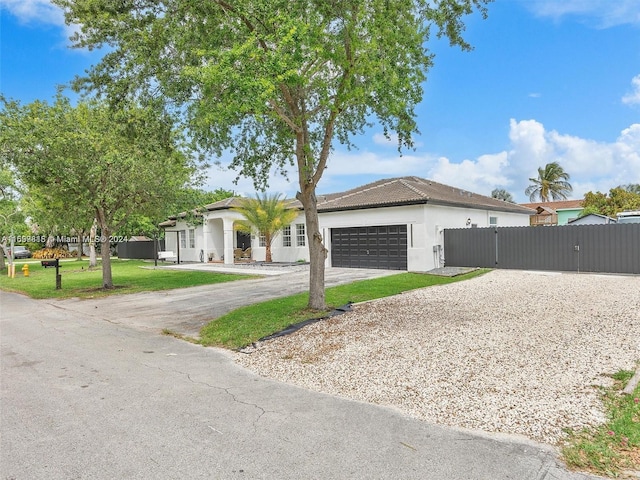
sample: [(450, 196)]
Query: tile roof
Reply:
[(411, 191), (562, 204), (391, 192), (224, 203), (232, 202)]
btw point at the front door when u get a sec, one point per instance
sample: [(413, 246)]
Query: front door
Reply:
[(243, 240)]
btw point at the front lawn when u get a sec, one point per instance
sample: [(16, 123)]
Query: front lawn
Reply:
[(129, 276), (248, 324)]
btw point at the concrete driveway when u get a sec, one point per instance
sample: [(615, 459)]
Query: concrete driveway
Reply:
[(187, 310)]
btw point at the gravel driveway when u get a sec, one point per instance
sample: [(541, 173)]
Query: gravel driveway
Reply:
[(512, 352)]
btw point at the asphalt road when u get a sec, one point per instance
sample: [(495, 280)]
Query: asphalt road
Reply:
[(90, 393)]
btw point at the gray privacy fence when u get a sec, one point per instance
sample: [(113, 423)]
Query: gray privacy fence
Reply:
[(613, 248), (142, 250)]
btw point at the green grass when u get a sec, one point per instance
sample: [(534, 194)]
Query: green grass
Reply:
[(614, 447), (248, 324), (128, 277)]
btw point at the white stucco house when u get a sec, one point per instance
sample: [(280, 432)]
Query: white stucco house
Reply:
[(394, 223)]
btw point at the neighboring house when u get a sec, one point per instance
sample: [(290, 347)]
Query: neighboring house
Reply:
[(394, 223), (554, 213), (593, 219)]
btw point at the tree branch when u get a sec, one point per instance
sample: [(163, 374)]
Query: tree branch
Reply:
[(281, 113)]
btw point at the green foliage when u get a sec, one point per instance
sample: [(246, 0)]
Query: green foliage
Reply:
[(618, 200), (95, 160), (588, 210), (502, 194), (266, 215), (248, 324), (189, 201), (552, 184), (52, 214)]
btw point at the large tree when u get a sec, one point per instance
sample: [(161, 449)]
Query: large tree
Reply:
[(265, 215), (51, 215), (275, 81), (112, 161), (617, 200), (552, 183)]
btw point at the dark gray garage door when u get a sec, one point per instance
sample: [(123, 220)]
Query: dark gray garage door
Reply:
[(370, 247)]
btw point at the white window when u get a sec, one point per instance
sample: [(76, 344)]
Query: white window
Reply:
[(262, 240), (286, 236), (300, 235), (192, 238), (493, 221), (183, 239)]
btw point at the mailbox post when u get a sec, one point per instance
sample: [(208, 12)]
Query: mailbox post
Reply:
[(54, 262)]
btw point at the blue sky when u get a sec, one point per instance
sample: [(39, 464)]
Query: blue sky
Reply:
[(548, 80)]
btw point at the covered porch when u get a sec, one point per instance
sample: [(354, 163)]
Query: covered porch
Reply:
[(222, 243)]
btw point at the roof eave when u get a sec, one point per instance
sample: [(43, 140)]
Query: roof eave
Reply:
[(496, 208)]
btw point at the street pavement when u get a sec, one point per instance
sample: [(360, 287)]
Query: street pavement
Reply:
[(92, 390)]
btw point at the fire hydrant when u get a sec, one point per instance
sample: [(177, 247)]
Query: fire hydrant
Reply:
[(25, 269)]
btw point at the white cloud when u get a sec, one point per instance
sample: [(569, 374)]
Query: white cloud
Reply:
[(592, 165), (34, 11), (601, 13), (479, 176), (380, 139), (41, 12), (376, 163), (634, 96)]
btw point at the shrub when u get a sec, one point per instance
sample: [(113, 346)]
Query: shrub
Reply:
[(57, 252)]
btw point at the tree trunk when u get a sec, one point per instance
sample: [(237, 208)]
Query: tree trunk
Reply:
[(268, 257), (79, 242), (2, 263), (92, 244), (105, 250), (317, 250)]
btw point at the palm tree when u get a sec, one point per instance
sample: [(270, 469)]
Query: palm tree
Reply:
[(266, 215), (551, 184)]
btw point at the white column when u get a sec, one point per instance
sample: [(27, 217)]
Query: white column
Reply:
[(205, 234), (227, 225)]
